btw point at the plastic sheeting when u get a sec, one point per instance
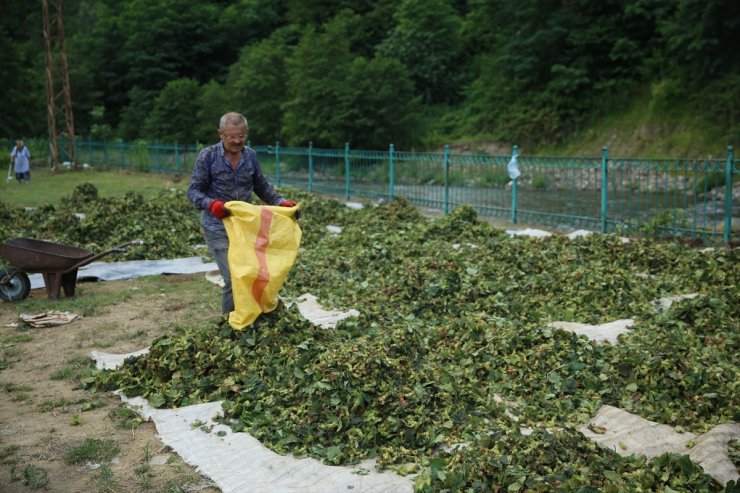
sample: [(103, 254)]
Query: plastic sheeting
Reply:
[(131, 269), (534, 233), (239, 463), (310, 308), (539, 233), (629, 434), (665, 303), (111, 361), (608, 332)]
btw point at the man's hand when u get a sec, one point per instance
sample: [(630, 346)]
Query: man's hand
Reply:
[(218, 209), (287, 203)]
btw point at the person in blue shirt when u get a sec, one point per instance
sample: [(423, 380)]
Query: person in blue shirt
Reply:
[(20, 157), (224, 172)]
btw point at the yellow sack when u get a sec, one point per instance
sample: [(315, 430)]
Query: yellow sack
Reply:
[(263, 244)]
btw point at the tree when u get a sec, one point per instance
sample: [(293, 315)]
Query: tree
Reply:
[(703, 37), (426, 40), (153, 43), (374, 22), (23, 92), (99, 130), (135, 113), (506, 98), (92, 47), (22, 85), (377, 105), (250, 21), (174, 117), (553, 63), (525, 71), (316, 69), (257, 84), (214, 100)]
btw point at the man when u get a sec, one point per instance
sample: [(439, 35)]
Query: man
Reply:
[(224, 172), (21, 158)]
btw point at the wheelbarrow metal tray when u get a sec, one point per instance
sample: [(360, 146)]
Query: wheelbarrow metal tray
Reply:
[(31, 255), (57, 263)]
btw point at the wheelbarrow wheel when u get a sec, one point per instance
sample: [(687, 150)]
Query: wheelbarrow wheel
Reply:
[(14, 285)]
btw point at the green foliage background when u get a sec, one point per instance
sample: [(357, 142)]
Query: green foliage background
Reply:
[(643, 76)]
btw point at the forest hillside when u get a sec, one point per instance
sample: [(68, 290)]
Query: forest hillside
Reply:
[(644, 77)]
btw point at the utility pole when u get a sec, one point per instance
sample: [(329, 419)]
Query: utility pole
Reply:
[(57, 72)]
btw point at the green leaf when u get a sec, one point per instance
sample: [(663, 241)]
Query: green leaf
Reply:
[(613, 476), (157, 400), (516, 486)]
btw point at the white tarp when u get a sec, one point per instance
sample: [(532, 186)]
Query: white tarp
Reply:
[(608, 332), (665, 303), (111, 361), (310, 308), (131, 269), (535, 233), (239, 463), (629, 434)]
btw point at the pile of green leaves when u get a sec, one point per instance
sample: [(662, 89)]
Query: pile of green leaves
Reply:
[(452, 340), (168, 224), (563, 461)]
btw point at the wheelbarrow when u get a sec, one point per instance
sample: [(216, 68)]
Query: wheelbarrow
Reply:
[(57, 263)]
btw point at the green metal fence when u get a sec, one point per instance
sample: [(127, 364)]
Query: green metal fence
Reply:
[(139, 156), (686, 198), (136, 156)]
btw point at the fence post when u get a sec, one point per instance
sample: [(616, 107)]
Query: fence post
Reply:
[(392, 185), (728, 193), (277, 162), (604, 185), (346, 170), (447, 179), (177, 158), (310, 166), (156, 146), (514, 188)]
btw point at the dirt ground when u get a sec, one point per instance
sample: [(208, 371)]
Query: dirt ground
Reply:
[(45, 416)]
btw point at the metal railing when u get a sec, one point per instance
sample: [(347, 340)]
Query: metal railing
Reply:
[(687, 198), (682, 198)]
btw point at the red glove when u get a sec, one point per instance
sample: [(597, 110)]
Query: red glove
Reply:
[(217, 209), (287, 203)]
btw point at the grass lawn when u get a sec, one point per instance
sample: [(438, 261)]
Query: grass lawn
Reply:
[(48, 187)]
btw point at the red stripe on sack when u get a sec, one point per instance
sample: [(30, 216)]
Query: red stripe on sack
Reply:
[(260, 247)]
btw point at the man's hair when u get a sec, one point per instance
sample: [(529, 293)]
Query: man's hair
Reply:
[(232, 119)]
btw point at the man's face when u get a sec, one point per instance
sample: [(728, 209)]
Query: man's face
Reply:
[(233, 137)]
